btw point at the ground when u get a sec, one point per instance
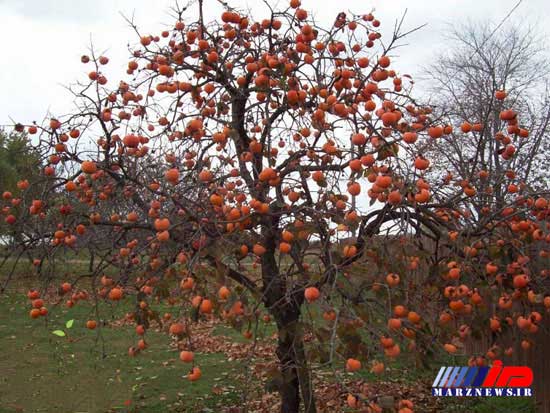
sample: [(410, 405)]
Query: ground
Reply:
[(90, 371)]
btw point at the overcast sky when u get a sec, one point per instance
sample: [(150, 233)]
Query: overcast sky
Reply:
[(44, 39)]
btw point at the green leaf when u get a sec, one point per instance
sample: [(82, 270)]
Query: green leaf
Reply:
[(59, 333), (69, 323)]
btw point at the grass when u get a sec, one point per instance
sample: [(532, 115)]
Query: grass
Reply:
[(45, 373)]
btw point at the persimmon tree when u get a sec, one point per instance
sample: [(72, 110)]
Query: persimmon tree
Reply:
[(274, 169)]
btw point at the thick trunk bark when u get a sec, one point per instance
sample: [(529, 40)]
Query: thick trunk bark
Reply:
[(290, 386), (304, 378), (296, 386), (284, 304)]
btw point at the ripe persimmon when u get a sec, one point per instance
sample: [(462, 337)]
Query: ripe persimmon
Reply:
[(500, 94), (205, 175), (353, 365), (384, 61), (176, 329), (206, 306), (258, 249), (224, 293), (195, 374), (187, 356), (115, 294), (88, 167), (311, 294), (162, 224)]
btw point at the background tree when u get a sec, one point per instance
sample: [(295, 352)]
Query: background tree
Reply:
[(18, 160), (227, 172), (480, 62)]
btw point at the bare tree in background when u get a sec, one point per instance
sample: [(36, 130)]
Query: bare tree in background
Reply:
[(481, 60)]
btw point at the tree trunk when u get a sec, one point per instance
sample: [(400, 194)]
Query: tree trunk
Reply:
[(284, 305), (304, 378), (296, 383), (289, 387)]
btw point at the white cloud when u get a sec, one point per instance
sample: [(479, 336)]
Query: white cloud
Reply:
[(44, 39)]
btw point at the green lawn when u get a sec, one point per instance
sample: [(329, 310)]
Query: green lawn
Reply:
[(45, 373)]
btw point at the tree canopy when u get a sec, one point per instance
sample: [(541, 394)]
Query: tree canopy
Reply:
[(276, 168)]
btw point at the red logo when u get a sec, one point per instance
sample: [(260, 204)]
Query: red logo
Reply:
[(509, 376)]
